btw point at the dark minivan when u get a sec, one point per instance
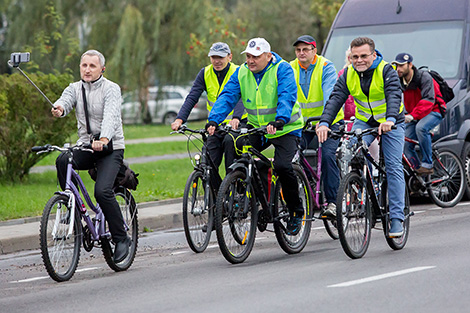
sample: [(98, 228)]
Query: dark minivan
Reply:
[(435, 32)]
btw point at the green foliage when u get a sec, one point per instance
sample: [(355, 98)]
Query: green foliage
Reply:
[(26, 121)]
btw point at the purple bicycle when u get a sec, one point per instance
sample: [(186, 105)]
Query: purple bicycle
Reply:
[(62, 230), (313, 176)]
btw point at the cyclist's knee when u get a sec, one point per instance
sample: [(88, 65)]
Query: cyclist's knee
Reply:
[(103, 194)]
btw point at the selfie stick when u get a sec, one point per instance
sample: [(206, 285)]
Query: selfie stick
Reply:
[(17, 66)]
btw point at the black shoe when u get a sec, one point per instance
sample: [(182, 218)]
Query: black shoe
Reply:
[(294, 224), (121, 250)]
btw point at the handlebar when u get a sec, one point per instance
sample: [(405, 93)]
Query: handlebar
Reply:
[(49, 148)]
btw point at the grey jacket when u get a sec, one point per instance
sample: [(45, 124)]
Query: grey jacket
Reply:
[(104, 109)]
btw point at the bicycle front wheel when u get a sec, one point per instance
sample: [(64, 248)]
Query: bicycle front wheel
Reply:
[(446, 186), (129, 213), (236, 216), (293, 244), (353, 216), (60, 238), (197, 214)]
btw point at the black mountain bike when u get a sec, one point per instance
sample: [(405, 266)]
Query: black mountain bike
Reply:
[(199, 193), (363, 200), (242, 191)]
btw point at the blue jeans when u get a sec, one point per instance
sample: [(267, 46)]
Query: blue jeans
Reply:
[(419, 130), (329, 168), (392, 146)]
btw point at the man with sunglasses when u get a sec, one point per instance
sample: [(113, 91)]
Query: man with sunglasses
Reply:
[(376, 90), (315, 77)]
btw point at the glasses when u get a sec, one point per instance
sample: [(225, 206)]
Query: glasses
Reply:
[(304, 50), (362, 56)]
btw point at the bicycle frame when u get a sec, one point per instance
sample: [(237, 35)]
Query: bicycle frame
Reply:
[(98, 228), (309, 171)]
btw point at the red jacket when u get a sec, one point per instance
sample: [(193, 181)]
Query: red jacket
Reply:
[(422, 95)]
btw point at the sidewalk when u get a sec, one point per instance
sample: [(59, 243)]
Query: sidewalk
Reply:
[(23, 234)]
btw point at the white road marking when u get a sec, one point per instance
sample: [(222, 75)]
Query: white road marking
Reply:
[(46, 277), (379, 277)]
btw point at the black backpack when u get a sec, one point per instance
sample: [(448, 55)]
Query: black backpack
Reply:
[(447, 92)]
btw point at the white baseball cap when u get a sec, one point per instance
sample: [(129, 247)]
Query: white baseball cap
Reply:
[(257, 46)]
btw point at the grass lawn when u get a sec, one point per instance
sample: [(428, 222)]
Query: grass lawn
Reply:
[(157, 180)]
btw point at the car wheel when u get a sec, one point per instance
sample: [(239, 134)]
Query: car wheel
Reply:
[(466, 161), (169, 118)]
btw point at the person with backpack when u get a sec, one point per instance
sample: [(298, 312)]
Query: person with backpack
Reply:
[(425, 109)]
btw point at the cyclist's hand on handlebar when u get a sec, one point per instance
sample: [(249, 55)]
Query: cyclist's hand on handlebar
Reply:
[(57, 111), (176, 124), (234, 123), (97, 145), (274, 126), (385, 127), (322, 133), (210, 127)]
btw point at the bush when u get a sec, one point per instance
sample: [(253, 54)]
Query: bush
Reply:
[(26, 121)]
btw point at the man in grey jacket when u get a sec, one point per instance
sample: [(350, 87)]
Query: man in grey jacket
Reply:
[(97, 103)]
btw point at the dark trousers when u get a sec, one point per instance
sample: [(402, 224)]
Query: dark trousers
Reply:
[(329, 168), (284, 151), (219, 145), (107, 167)]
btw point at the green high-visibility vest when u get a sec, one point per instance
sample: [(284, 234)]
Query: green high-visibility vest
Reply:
[(375, 105), (214, 89), (261, 101), (312, 106)]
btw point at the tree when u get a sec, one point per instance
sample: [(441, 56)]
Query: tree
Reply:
[(26, 121)]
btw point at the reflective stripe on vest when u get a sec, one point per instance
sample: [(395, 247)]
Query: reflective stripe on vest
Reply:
[(375, 105), (312, 106), (214, 89), (261, 101)]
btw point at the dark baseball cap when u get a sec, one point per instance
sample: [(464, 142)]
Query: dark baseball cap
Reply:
[(403, 58), (306, 39)]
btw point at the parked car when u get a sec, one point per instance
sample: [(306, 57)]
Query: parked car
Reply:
[(435, 32), (164, 103)]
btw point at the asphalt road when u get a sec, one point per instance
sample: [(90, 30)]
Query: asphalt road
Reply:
[(430, 275)]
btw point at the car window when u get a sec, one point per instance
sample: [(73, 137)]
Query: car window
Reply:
[(173, 95)]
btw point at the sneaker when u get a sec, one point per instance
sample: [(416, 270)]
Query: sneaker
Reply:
[(423, 171), (294, 225), (330, 211), (396, 228)]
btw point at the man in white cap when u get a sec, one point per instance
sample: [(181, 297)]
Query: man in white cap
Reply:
[(212, 79), (266, 76)]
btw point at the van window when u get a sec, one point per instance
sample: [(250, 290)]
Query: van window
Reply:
[(435, 44)]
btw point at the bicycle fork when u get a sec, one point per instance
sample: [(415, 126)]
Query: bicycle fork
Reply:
[(70, 204)]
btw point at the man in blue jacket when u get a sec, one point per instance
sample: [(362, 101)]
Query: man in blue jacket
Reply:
[(266, 76), (376, 90)]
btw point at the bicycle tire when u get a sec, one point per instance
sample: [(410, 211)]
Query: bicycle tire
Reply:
[(129, 213), (397, 243), (236, 230), (197, 219), (331, 228), (60, 253), (352, 218), (293, 244), (447, 192)]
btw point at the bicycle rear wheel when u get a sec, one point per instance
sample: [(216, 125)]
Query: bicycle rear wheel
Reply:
[(446, 186), (235, 226), (293, 244), (197, 215), (60, 244), (353, 216), (397, 243), (129, 213)]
